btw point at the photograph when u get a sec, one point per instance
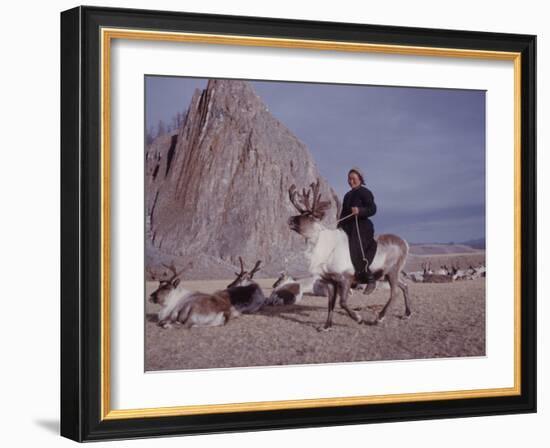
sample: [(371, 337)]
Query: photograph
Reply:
[(299, 223)]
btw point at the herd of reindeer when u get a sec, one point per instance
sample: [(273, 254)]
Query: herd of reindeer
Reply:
[(444, 274), (242, 296), (331, 275)]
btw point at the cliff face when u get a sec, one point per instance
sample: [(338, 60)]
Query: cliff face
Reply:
[(218, 188)]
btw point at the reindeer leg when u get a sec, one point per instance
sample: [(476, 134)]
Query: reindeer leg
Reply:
[(188, 324), (331, 302), (184, 316), (165, 324), (392, 279), (343, 289), (405, 290)]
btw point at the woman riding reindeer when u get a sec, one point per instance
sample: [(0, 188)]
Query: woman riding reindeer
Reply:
[(358, 206), (329, 257)]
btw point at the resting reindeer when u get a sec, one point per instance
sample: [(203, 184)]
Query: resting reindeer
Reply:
[(244, 293), (416, 276), (314, 286), (286, 291), (438, 278), (329, 257), (189, 308)]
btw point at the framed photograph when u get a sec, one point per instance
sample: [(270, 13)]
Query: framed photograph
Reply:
[(278, 224)]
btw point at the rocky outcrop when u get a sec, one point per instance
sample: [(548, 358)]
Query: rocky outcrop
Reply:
[(217, 189)]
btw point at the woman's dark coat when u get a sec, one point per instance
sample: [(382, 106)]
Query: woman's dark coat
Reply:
[(363, 199)]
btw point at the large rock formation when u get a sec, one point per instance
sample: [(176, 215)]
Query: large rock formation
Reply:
[(217, 189)]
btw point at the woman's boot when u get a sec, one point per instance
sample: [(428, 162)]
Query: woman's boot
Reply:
[(371, 282)]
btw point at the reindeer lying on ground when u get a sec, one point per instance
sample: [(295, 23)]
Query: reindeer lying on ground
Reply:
[(445, 274), (286, 291), (416, 276), (438, 278), (442, 275), (192, 308), (189, 308), (313, 286), (244, 293), (472, 273), (328, 254), (480, 271)]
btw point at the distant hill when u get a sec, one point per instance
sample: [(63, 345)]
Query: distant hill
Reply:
[(464, 247), (478, 243), (438, 249)]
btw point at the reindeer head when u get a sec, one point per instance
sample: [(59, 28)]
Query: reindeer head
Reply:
[(166, 286), (282, 279), (244, 277), (311, 209), (427, 268), (455, 268)]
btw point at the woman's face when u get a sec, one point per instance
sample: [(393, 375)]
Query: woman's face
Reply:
[(353, 180)]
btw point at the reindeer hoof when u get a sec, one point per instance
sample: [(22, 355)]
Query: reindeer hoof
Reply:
[(369, 288), (324, 329), (380, 318)]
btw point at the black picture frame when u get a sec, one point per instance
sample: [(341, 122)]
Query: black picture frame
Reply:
[(81, 224)]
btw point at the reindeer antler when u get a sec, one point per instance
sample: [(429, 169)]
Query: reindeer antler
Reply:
[(310, 199), (242, 268), (315, 189), (305, 199), (292, 196), (174, 271), (255, 269), (151, 273), (319, 207)]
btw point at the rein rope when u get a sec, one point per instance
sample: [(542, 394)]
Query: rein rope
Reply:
[(344, 218), (358, 233)]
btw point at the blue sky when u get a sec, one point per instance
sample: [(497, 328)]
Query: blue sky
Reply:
[(422, 150)]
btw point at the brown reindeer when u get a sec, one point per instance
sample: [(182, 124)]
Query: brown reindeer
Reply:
[(189, 308), (286, 291), (328, 254)]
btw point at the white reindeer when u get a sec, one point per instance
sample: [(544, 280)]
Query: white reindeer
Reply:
[(480, 271), (286, 291), (313, 286), (415, 276), (328, 254)]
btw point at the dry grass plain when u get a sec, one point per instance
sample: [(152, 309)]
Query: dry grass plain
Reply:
[(448, 320)]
